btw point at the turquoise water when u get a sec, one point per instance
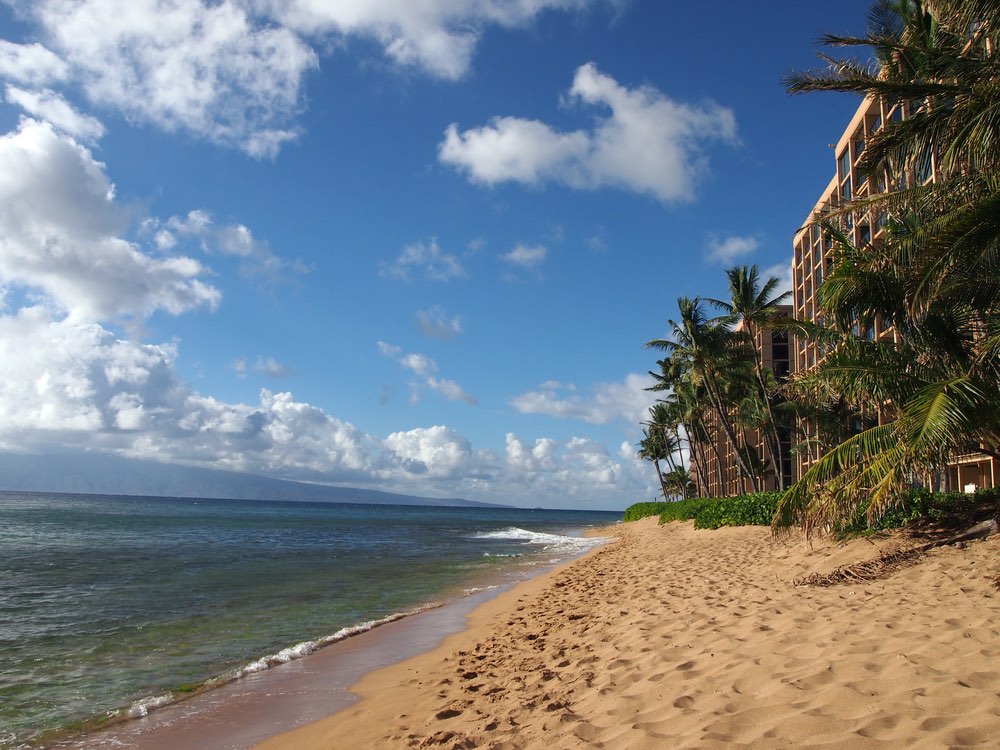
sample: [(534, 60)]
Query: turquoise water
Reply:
[(108, 604)]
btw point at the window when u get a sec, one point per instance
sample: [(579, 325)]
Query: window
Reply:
[(859, 147), (845, 189), (844, 164), (877, 125), (897, 113), (866, 233)]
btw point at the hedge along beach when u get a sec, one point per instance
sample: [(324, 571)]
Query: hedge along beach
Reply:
[(682, 638)]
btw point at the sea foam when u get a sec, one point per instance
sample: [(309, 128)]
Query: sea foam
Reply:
[(546, 540)]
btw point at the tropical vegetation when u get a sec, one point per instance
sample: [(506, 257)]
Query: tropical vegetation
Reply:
[(889, 412)]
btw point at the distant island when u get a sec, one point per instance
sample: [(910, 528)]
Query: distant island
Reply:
[(101, 474)]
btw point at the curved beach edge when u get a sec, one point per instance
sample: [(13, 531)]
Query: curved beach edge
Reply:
[(672, 637)]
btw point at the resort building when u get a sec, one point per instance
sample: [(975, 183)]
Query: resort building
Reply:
[(813, 260)]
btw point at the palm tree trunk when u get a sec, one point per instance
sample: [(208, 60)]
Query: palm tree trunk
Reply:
[(659, 475), (697, 463), (727, 428)]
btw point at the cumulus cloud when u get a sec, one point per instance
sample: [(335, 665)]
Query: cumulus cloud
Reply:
[(61, 234), (437, 324), (31, 64), (526, 256), (426, 369), (425, 259), (438, 36), (435, 451), (728, 249), (49, 106), (783, 271), (232, 72), (606, 402), (648, 143), (257, 261), (68, 384), (548, 463), (210, 69)]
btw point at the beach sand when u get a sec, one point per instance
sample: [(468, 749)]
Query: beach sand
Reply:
[(670, 637)]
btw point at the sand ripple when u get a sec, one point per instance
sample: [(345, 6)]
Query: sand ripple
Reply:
[(676, 638)]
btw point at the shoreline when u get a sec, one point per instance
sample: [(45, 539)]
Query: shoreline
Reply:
[(671, 637), (235, 712)]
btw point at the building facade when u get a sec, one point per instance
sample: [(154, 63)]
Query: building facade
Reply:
[(813, 260)]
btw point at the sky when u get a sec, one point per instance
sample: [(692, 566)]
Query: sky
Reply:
[(408, 245)]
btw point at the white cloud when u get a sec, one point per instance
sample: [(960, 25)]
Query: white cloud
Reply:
[(439, 36), (437, 324), (604, 403), (783, 271), (436, 451), (526, 256), (267, 366), (74, 385), (210, 69), (648, 144), (426, 259), (232, 72), (50, 106), (31, 64), (547, 464), (451, 390), (425, 368), (418, 364), (61, 233), (728, 249), (257, 261)]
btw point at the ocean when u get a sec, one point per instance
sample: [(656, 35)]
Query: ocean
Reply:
[(111, 606)]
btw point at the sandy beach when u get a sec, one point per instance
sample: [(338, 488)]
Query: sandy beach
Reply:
[(670, 637)]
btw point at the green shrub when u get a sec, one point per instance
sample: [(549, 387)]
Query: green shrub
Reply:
[(757, 509), (683, 510), (922, 506), (744, 510), (643, 510)]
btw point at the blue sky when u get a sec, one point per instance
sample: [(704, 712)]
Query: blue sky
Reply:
[(409, 245)]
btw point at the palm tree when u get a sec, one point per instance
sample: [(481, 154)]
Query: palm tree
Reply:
[(683, 407), (940, 376), (937, 275), (658, 443), (939, 57), (703, 350), (678, 481), (753, 308)]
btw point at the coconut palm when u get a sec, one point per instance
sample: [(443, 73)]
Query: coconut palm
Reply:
[(936, 277), (753, 307), (940, 58), (659, 442), (702, 350)]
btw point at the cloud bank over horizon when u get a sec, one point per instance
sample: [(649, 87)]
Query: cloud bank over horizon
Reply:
[(69, 381), (197, 313)]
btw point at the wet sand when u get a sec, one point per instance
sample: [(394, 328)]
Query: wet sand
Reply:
[(241, 713), (676, 638)]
